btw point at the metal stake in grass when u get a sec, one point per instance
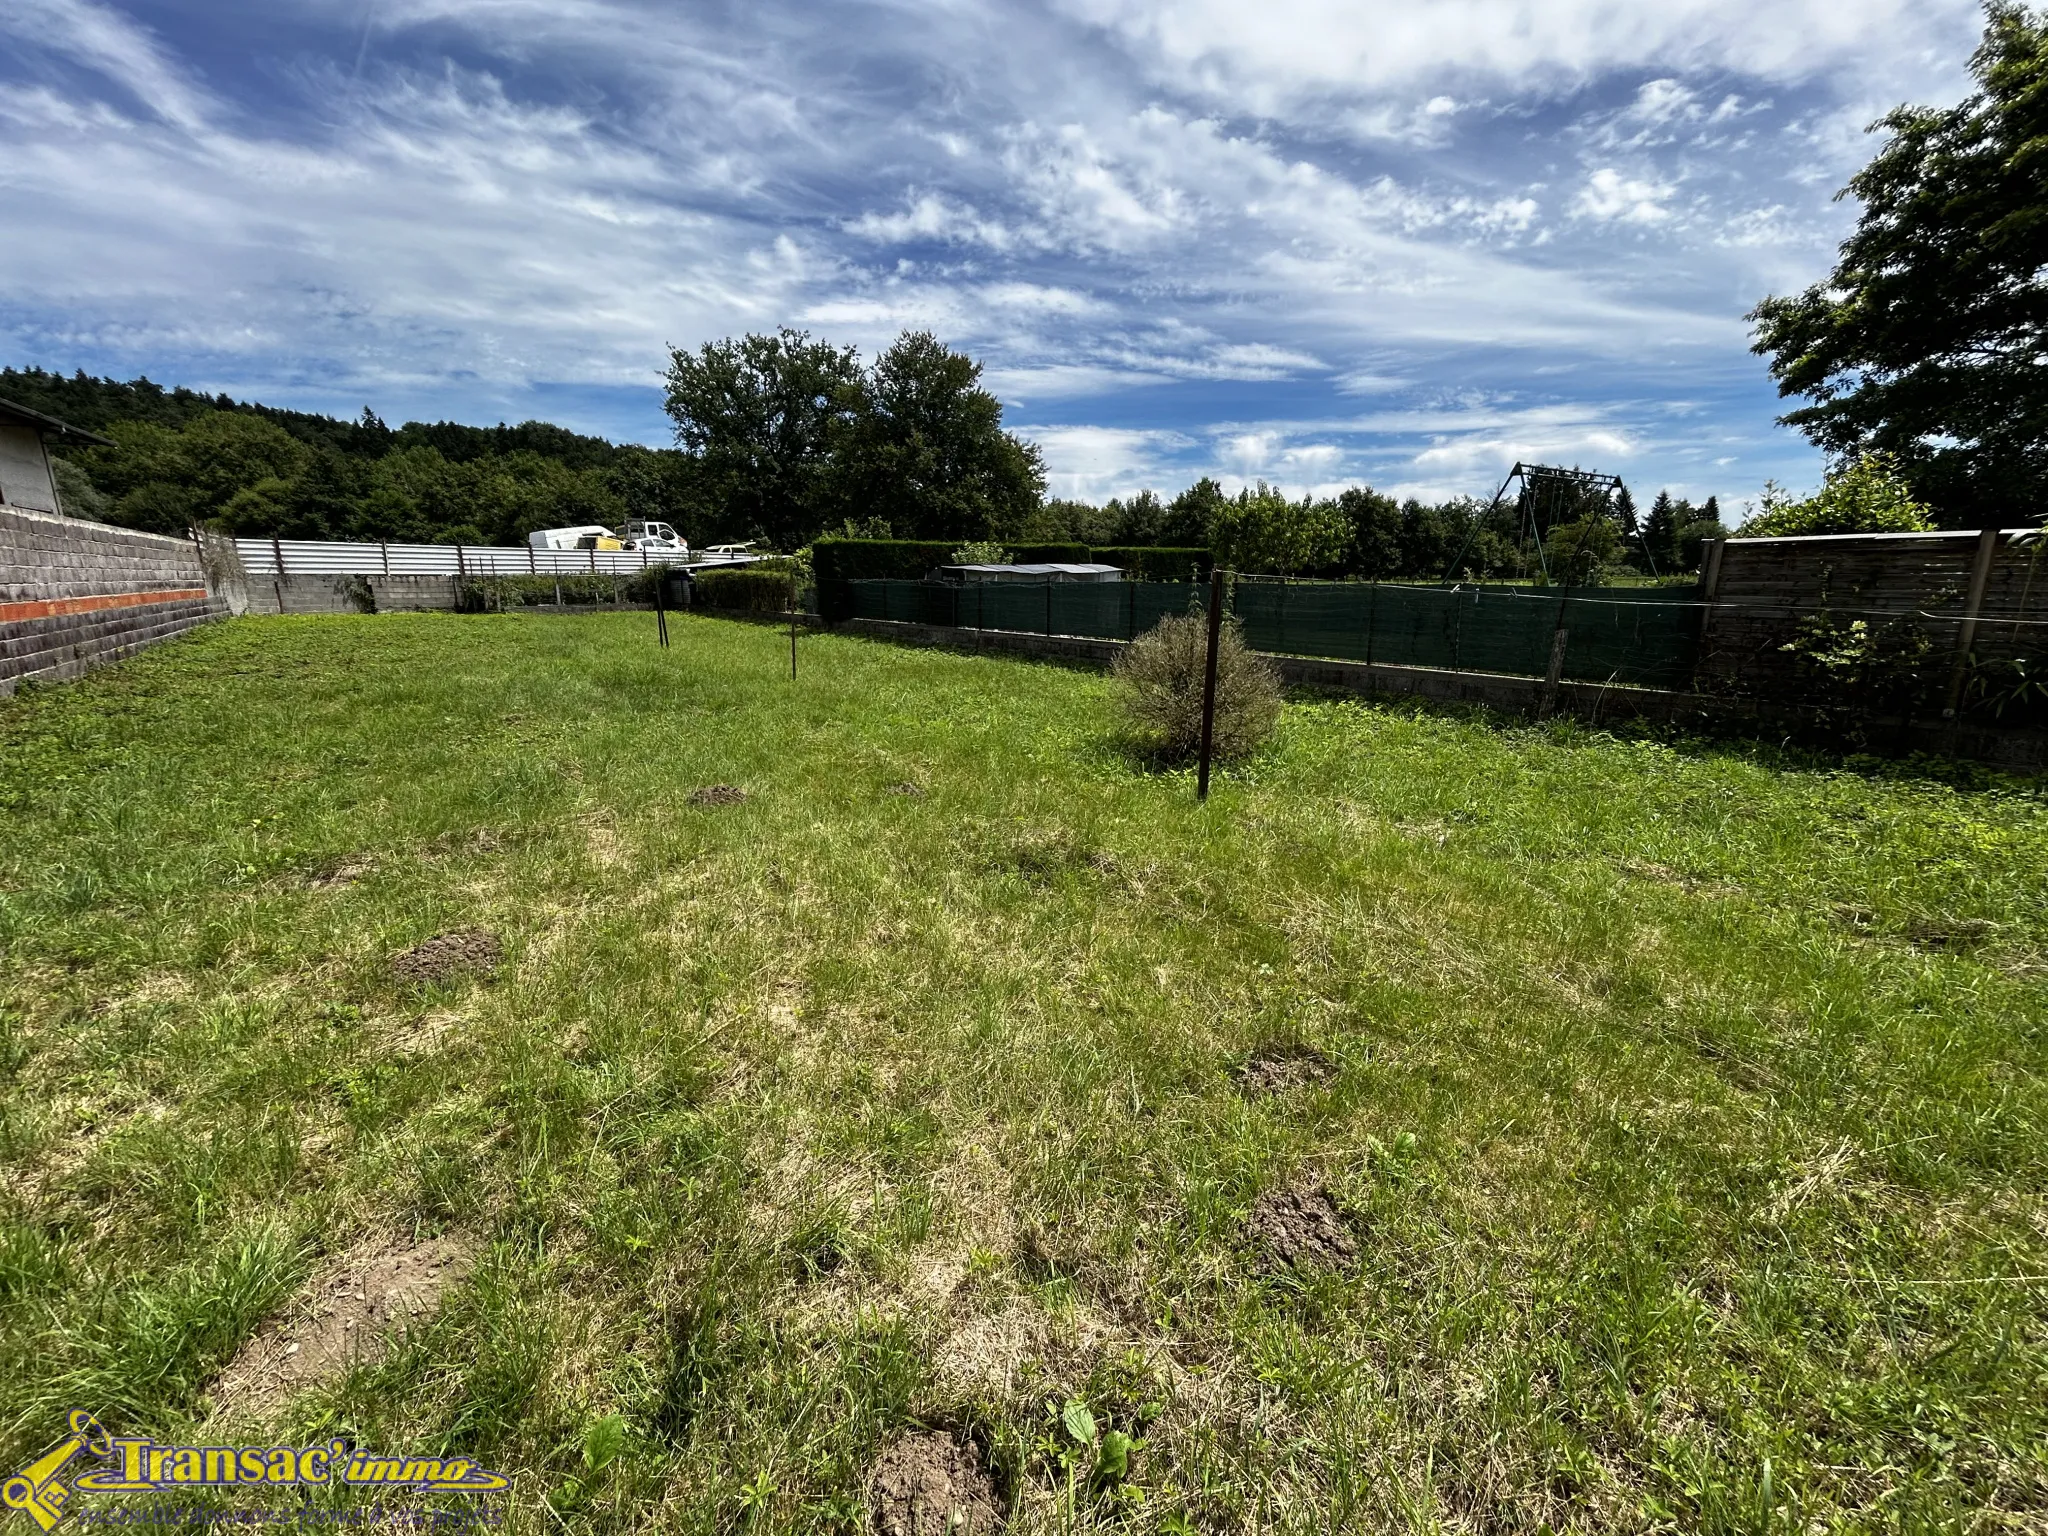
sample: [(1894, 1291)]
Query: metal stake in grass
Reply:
[(660, 607), (1209, 680), (792, 629)]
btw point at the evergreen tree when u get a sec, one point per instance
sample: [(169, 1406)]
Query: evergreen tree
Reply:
[(1660, 532)]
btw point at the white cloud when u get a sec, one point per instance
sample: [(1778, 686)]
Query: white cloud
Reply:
[(1285, 50), (1095, 463), (1209, 211), (932, 216), (1613, 197), (103, 39)]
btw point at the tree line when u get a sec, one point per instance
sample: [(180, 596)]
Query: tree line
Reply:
[(780, 438)]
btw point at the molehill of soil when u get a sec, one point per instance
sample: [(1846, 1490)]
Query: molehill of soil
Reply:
[(718, 794), (448, 955), (347, 1317), (1278, 1068), (927, 1483), (1301, 1229)]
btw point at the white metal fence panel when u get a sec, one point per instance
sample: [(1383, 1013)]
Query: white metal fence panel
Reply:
[(319, 557)]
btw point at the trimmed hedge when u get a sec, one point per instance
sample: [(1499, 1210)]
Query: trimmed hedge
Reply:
[(1048, 554), (748, 590), (1155, 562), (838, 561), (878, 559)]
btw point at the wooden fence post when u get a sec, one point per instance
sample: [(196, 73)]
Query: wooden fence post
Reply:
[(1710, 589), (1966, 638)]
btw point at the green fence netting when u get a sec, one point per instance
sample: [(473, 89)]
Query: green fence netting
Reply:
[(1640, 636)]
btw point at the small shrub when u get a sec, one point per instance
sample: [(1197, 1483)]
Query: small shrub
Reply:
[(1160, 676), (1884, 666), (981, 552)]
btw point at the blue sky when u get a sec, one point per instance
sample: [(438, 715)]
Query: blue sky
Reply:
[(1397, 241)]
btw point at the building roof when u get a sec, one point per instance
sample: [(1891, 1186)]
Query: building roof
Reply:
[(9, 411), (1039, 570)]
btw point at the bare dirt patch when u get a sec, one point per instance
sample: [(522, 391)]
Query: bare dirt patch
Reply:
[(1281, 1067), (718, 794), (465, 951), (342, 872), (350, 1316), (1301, 1229), (926, 1483)]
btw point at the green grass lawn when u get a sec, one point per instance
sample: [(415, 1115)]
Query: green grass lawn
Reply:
[(1687, 1106)]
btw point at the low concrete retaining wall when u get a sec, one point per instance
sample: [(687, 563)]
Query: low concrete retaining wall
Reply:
[(74, 595), (2022, 751), (340, 594)]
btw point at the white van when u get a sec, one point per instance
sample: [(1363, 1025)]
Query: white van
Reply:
[(567, 538)]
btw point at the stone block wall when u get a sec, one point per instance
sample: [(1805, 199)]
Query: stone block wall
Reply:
[(74, 594)]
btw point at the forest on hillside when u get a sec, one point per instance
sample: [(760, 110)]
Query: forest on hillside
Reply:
[(780, 439)]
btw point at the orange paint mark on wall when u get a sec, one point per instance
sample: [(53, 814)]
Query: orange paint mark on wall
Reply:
[(58, 607)]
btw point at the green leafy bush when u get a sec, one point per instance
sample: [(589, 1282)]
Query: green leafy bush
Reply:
[(1160, 677), (748, 590), (1868, 496), (985, 552), (495, 594), (1882, 667), (1578, 552)]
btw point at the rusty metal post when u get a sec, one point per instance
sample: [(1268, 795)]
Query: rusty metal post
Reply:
[(1209, 681)]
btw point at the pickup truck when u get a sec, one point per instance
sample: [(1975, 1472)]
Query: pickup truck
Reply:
[(645, 535)]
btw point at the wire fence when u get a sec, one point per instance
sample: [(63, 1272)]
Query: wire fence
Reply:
[(1639, 636), (320, 557)]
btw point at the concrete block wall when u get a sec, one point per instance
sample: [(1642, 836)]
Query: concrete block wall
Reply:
[(330, 594), (74, 594)]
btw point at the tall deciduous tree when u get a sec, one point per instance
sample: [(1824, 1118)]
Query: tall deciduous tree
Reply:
[(923, 445), (1930, 339), (1375, 521), (762, 415)]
